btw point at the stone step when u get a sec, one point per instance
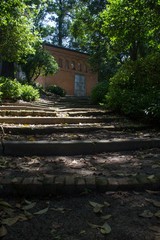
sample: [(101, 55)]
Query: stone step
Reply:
[(74, 98), (27, 112), (71, 148), (24, 107), (57, 120), (15, 111), (70, 128), (56, 185)]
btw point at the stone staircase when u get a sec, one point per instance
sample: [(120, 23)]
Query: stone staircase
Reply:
[(69, 127), (102, 131)]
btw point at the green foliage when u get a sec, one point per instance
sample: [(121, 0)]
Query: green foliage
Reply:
[(11, 89), (41, 63), (29, 93), (86, 29), (16, 30), (39, 87), (135, 88), (56, 90), (99, 91), (132, 26)]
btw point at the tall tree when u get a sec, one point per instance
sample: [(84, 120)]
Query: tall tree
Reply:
[(61, 13), (131, 26), (42, 63), (86, 29), (17, 34), (40, 18)]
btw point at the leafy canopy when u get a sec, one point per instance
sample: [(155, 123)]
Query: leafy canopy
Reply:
[(17, 32), (132, 26), (41, 63)]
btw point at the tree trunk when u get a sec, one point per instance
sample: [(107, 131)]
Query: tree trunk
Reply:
[(7, 69), (60, 23), (134, 51)]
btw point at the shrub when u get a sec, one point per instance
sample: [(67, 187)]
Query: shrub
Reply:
[(11, 89), (98, 92), (29, 93), (56, 90), (135, 88)]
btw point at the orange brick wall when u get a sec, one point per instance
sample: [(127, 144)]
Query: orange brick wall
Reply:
[(70, 63)]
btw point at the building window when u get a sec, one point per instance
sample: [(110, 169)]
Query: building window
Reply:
[(67, 64), (79, 66), (60, 62), (73, 65)]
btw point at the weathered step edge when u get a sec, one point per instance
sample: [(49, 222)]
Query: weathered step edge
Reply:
[(55, 185), (55, 120), (49, 129), (70, 148)]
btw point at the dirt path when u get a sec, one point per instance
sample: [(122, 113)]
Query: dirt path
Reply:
[(121, 216)]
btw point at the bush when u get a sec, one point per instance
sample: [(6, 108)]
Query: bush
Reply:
[(98, 92), (11, 89), (56, 90), (135, 88), (29, 93)]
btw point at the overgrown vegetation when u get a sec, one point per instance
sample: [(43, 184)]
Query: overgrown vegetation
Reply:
[(135, 88), (29, 93), (13, 90), (42, 63), (56, 90), (99, 91)]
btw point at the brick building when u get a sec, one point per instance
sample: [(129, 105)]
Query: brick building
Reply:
[(74, 74)]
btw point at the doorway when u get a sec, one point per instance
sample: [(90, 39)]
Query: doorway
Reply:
[(80, 85)]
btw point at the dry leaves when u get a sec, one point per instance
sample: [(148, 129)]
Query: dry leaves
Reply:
[(154, 202), (98, 208), (104, 229), (11, 217), (43, 211), (3, 231), (146, 214)]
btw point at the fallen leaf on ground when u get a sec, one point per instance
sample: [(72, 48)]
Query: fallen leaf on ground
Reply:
[(157, 214), (155, 229), (41, 211), (28, 214), (152, 192), (82, 232), (5, 204), (97, 208), (106, 217), (3, 231), (105, 228), (9, 211), (151, 177), (155, 166), (22, 217), (30, 206), (62, 210), (94, 225), (27, 202), (146, 214), (154, 202), (10, 221), (107, 204)]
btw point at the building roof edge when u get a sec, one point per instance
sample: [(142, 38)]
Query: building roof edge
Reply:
[(64, 48)]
